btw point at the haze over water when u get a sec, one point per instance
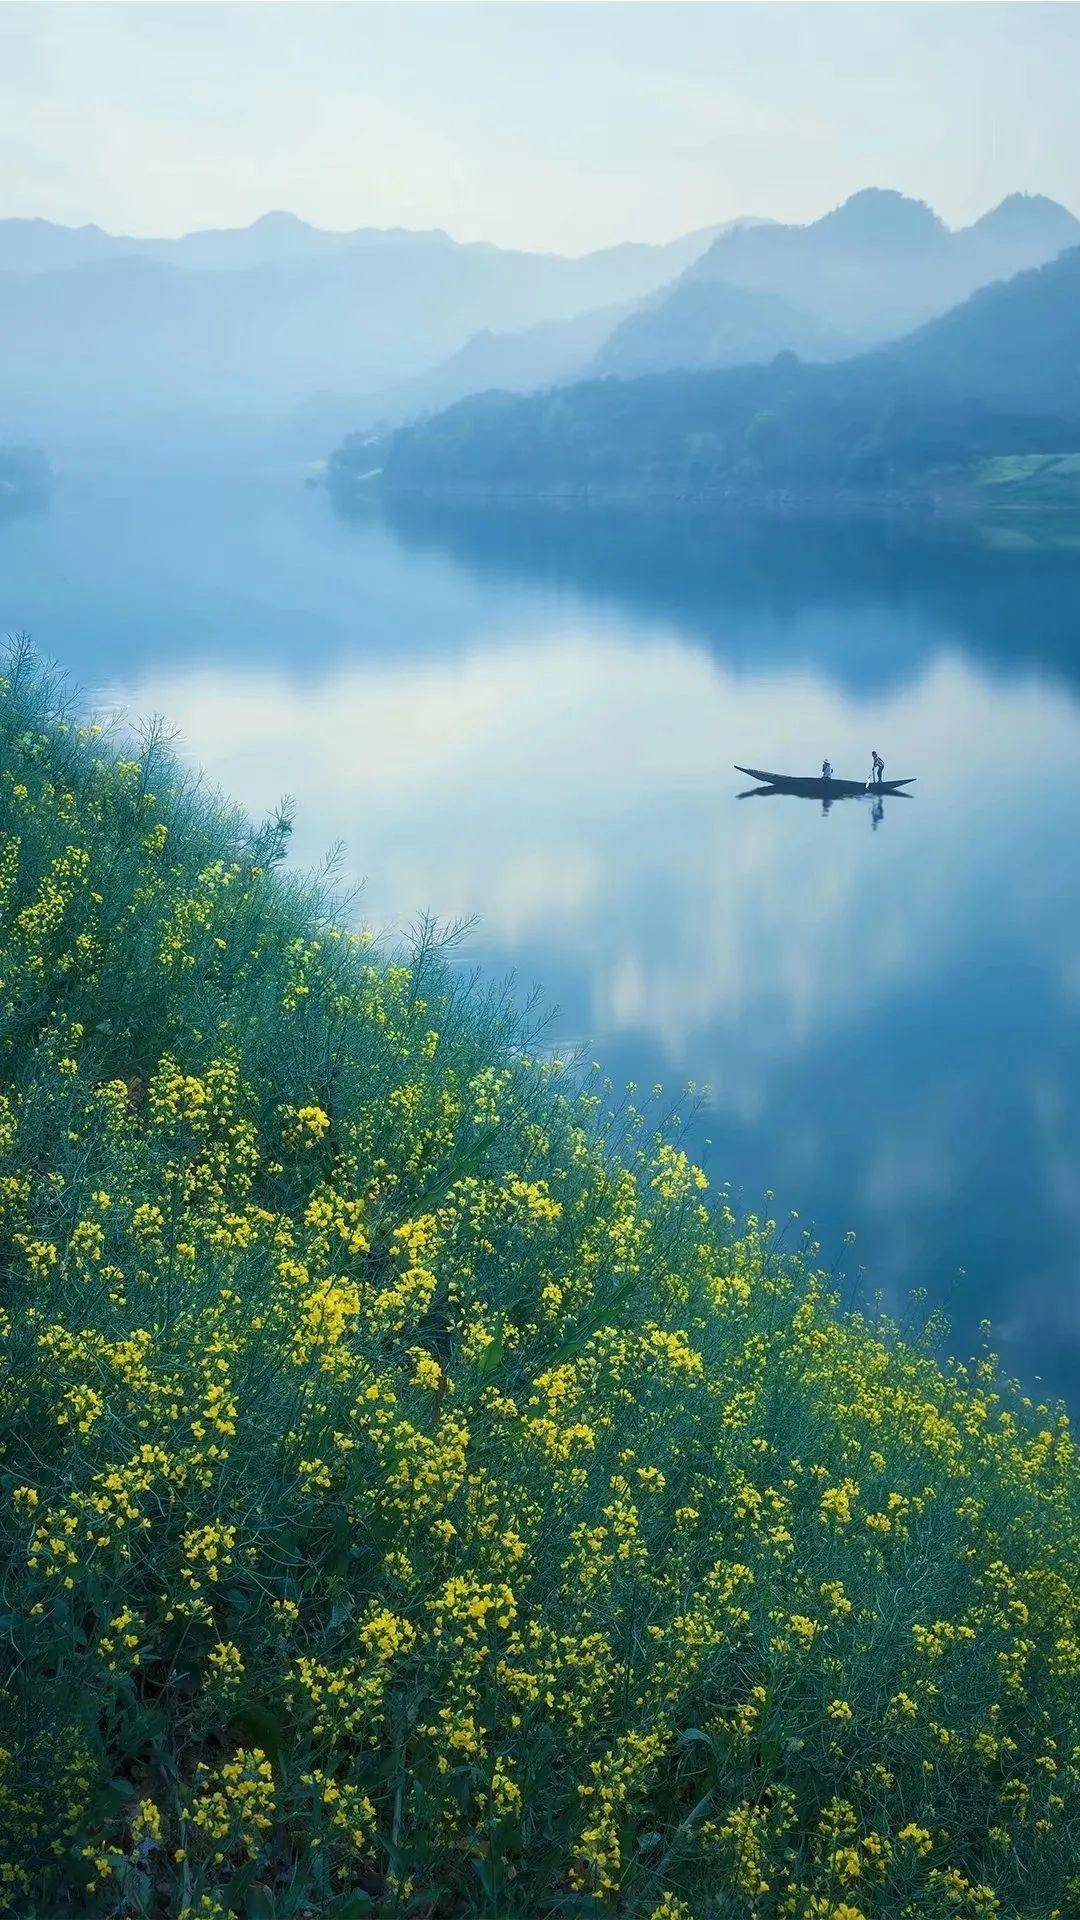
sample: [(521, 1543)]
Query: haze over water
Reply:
[(536, 722)]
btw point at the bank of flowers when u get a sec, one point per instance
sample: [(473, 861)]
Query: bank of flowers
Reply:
[(418, 1495)]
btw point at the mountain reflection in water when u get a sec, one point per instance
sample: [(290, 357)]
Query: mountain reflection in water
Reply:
[(1007, 590)]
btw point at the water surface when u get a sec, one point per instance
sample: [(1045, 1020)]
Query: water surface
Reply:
[(535, 720)]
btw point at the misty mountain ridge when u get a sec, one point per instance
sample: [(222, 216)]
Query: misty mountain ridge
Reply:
[(1013, 344), (33, 245), (551, 354), (997, 376), (1028, 216), (104, 336), (877, 235), (714, 323), (865, 272), (132, 338), (879, 231), (880, 216)]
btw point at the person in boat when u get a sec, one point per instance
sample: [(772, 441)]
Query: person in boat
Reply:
[(826, 770), (877, 770)]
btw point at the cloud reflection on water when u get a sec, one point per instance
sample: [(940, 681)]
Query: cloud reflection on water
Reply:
[(577, 792)]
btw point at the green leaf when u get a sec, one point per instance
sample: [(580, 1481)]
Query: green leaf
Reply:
[(349, 1906), (238, 1886), (265, 1727)]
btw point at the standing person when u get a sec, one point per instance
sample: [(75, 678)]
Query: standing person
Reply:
[(877, 769), (826, 770)]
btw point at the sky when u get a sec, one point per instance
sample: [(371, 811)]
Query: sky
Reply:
[(552, 126)]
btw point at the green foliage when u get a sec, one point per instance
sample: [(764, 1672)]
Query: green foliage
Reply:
[(417, 1497), (747, 433)]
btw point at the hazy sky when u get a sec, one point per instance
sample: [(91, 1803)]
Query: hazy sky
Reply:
[(563, 126)]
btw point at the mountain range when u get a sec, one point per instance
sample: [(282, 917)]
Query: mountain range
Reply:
[(862, 274), (996, 377), (285, 326), (872, 269), (257, 321), (278, 239)]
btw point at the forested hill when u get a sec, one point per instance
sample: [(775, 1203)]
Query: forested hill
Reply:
[(999, 374), (1016, 343)]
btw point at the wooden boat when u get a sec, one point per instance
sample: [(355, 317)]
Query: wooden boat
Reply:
[(810, 789)]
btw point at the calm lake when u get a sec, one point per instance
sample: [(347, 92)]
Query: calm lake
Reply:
[(534, 720)]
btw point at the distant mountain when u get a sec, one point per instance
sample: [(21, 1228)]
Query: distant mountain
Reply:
[(870, 270), (276, 238), (40, 246), (706, 323), (1025, 230), (550, 354), (123, 334), (1014, 345), (37, 246), (999, 376), (273, 239), (547, 355)]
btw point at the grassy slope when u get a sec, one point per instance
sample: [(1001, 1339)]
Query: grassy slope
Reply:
[(417, 1498)]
